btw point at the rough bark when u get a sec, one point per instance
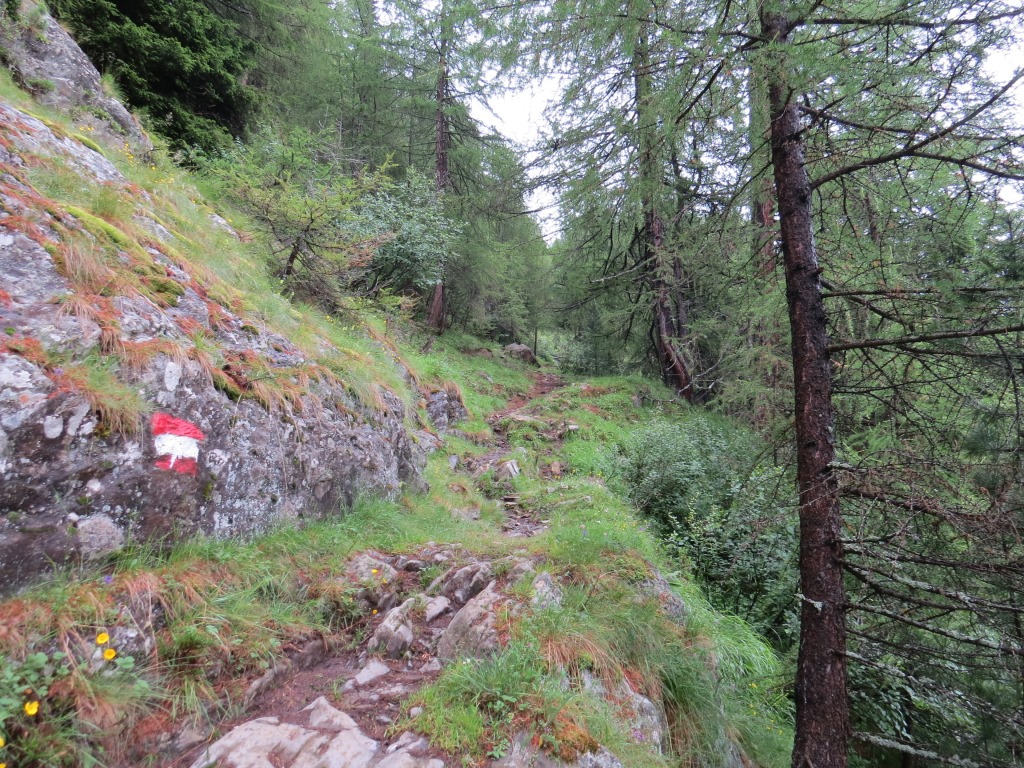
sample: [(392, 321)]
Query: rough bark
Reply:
[(822, 712), (436, 313), (442, 172), (664, 278), (442, 135)]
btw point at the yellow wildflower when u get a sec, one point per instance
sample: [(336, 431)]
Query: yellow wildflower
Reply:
[(109, 654), (373, 570), (31, 707), (102, 638), (2, 742)]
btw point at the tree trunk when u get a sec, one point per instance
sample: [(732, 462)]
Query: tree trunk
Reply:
[(661, 276), (436, 313), (822, 711), (442, 136), (673, 367), (762, 199), (442, 173)]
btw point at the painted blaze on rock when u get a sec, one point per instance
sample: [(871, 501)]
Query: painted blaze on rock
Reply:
[(176, 443)]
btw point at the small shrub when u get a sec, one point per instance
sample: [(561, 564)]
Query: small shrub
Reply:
[(39, 86), (699, 482)]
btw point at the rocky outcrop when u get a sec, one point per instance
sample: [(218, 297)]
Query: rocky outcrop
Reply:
[(352, 730), (137, 414), (520, 352), (472, 632), (524, 754), (46, 61), (324, 737)]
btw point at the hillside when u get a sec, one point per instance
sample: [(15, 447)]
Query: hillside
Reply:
[(279, 536), (283, 483)]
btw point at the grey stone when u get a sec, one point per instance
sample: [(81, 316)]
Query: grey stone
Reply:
[(672, 604), (370, 568), (434, 665), (394, 635), (172, 376), (411, 742), (53, 427), (436, 606), (50, 54), (473, 632), (465, 583), (252, 744), (507, 470), (445, 408), (520, 352), (546, 594), (320, 714), (349, 749), (602, 758), (373, 670), (426, 442), (521, 568), (401, 759), (647, 721), (331, 739), (98, 536), (523, 754)]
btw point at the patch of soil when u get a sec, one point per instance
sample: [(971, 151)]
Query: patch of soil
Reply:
[(519, 521)]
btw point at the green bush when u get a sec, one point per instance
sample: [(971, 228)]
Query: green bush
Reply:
[(699, 481)]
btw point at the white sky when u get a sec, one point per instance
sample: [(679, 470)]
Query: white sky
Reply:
[(519, 116)]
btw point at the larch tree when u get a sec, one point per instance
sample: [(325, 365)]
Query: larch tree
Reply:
[(897, 86), (627, 140)]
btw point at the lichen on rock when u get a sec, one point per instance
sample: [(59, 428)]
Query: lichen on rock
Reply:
[(89, 379)]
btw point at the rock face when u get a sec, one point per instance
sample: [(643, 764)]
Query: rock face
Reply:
[(191, 453), (524, 755), (445, 408), (46, 61)]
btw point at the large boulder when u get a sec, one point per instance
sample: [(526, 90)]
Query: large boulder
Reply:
[(473, 631), (95, 453), (46, 61), (521, 352)]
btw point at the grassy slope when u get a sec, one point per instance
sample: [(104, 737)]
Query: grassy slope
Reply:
[(230, 609)]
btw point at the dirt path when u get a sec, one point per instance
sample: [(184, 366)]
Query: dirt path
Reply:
[(332, 672)]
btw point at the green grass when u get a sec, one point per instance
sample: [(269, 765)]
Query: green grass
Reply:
[(231, 607)]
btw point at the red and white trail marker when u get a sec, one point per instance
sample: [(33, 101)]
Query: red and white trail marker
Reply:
[(177, 443)]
